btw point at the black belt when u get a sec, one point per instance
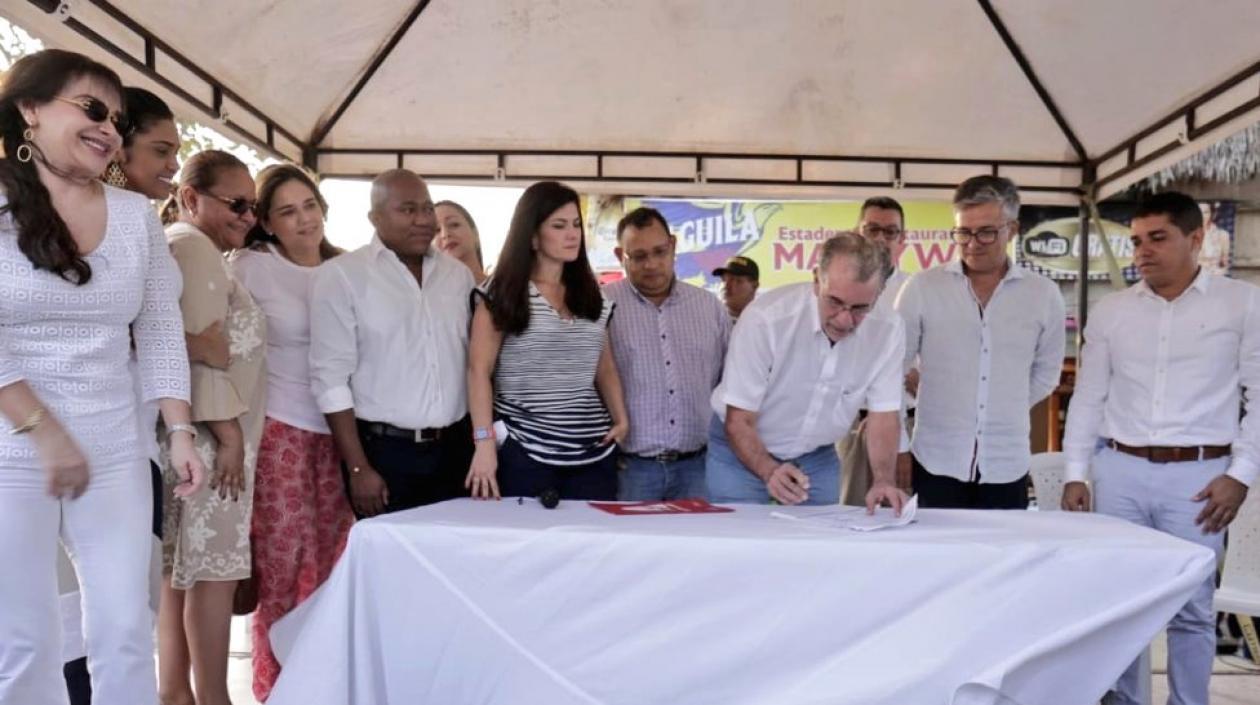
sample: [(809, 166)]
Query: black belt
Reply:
[(384, 430), (863, 412), (671, 456)]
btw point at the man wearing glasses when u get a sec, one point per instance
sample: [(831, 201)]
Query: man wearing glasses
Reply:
[(803, 359), (989, 339), (882, 221), (669, 340)]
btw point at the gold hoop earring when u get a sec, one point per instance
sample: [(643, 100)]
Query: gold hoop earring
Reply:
[(24, 151)]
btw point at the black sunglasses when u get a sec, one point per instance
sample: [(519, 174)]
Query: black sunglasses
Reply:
[(239, 206), (97, 111)]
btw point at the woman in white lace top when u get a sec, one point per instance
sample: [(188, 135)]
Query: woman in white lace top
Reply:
[(81, 265)]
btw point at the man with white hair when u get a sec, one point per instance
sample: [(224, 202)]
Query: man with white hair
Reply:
[(802, 361), (989, 338)]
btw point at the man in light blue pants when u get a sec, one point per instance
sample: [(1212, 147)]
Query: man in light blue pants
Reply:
[(1156, 413), (802, 360)]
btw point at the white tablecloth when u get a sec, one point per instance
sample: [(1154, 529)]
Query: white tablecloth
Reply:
[(495, 602)]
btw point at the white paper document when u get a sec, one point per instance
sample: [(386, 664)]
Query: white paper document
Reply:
[(854, 518)]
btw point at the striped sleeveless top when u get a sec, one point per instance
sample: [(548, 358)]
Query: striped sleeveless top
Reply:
[(544, 385)]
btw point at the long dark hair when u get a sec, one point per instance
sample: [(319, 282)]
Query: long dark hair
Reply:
[(143, 109), (509, 287), (471, 223), (42, 234), (269, 180)]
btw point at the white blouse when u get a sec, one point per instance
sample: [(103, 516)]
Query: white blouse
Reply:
[(283, 290), (72, 344)]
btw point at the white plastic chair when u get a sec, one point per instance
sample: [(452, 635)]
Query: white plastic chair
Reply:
[(1239, 592), (1047, 476)]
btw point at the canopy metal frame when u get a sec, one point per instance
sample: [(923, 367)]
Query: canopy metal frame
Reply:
[(270, 136)]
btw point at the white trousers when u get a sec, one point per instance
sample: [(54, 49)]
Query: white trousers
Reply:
[(107, 534), (1158, 495)]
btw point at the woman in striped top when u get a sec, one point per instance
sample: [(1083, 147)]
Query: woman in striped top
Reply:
[(539, 361)]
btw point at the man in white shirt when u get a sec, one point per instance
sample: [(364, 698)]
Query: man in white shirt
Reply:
[(802, 361), (882, 221), (1156, 412), (989, 338), (389, 350)]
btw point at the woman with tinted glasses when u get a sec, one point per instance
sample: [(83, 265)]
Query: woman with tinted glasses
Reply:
[(539, 361), (145, 164), (301, 514), (83, 266), (458, 237), (206, 540)]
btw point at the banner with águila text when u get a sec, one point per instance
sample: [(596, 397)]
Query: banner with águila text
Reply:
[(782, 237)]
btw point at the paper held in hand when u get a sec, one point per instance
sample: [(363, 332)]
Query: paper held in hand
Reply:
[(854, 518)]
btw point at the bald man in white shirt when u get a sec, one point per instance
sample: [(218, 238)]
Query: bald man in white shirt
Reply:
[(1166, 366), (389, 349)]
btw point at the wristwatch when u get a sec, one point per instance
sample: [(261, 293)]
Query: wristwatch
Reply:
[(483, 433)]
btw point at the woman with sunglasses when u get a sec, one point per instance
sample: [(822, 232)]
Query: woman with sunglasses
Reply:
[(146, 164), (206, 540), (83, 267), (301, 513)]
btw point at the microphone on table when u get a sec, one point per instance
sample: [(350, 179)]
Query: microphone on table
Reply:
[(550, 497)]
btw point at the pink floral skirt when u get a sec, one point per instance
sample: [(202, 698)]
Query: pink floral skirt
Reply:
[(300, 524)]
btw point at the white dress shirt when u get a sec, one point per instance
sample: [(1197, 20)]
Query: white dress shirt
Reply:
[(806, 391), (380, 343), (283, 290), (892, 287), (1169, 373), (980, 371)]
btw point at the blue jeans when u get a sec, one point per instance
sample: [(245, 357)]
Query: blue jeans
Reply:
[(732, 483), (642, 480), (1158, 496)]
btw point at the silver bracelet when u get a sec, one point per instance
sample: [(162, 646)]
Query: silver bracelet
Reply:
[(186, 427)]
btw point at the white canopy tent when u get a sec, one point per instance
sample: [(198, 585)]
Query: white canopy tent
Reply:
[(800, 98), (810, 98)]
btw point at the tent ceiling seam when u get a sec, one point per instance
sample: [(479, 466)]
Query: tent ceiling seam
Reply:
[(1026, 67), (320, 133)]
